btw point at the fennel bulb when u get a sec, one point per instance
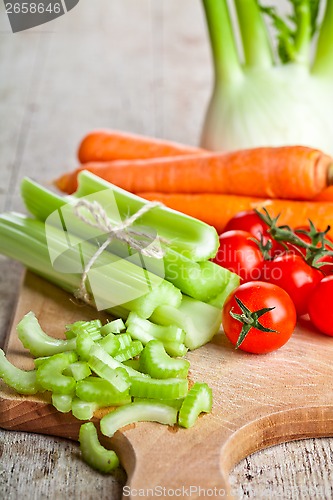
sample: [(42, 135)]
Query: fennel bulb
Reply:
[(260, 102)]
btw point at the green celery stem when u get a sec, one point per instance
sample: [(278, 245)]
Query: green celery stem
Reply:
[(303, 34)]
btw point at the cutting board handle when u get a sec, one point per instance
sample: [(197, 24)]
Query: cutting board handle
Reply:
[(201, 462)]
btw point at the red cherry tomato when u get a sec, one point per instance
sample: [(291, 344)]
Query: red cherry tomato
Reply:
[(239, 254), (256, 296), (249, 221), (295, 276), (320, 306)]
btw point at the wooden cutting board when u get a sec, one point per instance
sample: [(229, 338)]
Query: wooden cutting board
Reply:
[(259, 401)]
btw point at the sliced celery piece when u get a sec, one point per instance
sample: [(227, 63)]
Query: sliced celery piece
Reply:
[(92, 327), (79, 370), (35, 339), (83, 410), (118, 378), (133, 363), (99, 353), (145, 330), (115, 326), (129, 352), (172, 388), (100, 391), (24, 382), (174, 403), (40, 360), (62, 402), (190, 237), (155, 361), (137, 412), (113, 280), (198, 400), (124, 340), (175, 349), (200, 321), (93, 452), (50, 376), (110, 344), (84, 344)]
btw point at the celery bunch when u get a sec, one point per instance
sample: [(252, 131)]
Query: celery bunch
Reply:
[(184, 290)]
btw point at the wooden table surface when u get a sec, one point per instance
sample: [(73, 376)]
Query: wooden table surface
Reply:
[(137, 65)]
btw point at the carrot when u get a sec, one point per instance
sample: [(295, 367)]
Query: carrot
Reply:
[(107, 145), (217, 210), (326, 195), (294, 172)]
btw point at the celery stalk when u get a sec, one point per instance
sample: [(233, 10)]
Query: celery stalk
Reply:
[(113, 280), (200, 280), (190, 237)]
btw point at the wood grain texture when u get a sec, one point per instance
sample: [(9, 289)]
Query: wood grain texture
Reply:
[(256, 402), (137, 65)]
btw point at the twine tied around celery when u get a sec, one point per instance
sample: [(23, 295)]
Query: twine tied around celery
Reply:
[(123, 232)]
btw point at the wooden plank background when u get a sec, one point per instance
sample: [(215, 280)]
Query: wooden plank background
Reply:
[(137, 65)]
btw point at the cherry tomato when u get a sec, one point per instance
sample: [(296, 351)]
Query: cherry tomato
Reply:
[(320, 306), (295, 276), (239, 254), (250, 221), (255, 297)]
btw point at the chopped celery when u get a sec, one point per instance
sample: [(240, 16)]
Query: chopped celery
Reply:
[(93, 452), (145, 330), (79, 370), (155, 361), (129, 352), (100, 391), (24, 382), (117, 377), (83, 410), (99, 353), (115, 326), (110, 344), (92, 327), (124, 340), (172, 388), (200, 321), (137, 412), (199, 399), (40, 360), (50, 376), (174, 403), (133, 363), (39, 344), (220, 299), (62, 402), (119, 286), (84, 344)]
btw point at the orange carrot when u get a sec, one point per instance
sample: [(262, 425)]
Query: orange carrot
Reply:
[(217, 210), (326, 195), (293, 172), (108, 145)]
